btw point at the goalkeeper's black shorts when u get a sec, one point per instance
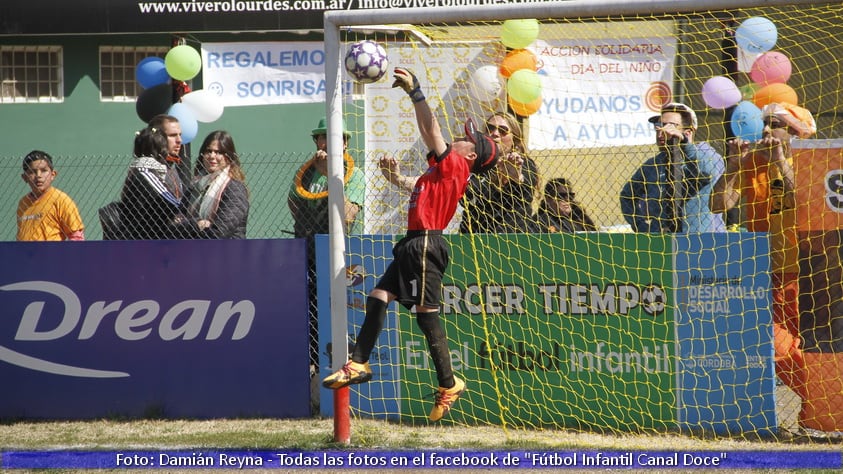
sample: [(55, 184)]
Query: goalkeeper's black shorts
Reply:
[(415, 274)]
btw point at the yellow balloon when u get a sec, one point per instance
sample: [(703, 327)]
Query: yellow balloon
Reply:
[(524, 86), (518, 34)]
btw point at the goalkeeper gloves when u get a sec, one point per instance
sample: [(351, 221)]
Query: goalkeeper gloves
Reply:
[(406, 80)]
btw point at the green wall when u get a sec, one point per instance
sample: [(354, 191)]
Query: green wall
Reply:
[(92, 140)]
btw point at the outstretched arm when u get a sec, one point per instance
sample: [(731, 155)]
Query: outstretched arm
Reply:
[(429, 129), (392, 172)]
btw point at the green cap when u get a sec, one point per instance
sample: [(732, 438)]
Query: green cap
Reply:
[(322, 128)]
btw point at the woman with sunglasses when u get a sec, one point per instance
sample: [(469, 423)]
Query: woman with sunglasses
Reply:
[(501, 202), (559, 210)]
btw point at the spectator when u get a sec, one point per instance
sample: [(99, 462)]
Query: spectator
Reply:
[(308, 196), (308, 203), (148, 208), (657, 197), (220, 209), (46, 213), (560, 212), (497, 202), (762, 174), (177, 161), (414, 277), (502, 201)]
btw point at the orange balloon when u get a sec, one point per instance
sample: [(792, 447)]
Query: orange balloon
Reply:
[(775, 93), (523, 109), (517, 59)]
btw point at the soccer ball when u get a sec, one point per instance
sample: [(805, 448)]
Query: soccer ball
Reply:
[(366, 61)]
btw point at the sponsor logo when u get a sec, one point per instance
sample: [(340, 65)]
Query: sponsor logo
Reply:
[(129, 321)]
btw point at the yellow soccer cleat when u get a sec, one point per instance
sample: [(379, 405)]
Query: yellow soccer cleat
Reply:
[(445, 397), (351, 373)]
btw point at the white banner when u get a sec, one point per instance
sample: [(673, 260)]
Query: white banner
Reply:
[(600, 92), (265, 73)]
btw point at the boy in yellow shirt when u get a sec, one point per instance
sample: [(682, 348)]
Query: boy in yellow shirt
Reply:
[(46, 213)]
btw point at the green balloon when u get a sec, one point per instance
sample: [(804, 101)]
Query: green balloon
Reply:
[(518, 34), (524, 85), (183, 62)]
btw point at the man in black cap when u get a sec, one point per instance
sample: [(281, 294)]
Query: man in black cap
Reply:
[(414, 277)]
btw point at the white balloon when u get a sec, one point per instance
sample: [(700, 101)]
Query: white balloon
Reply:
[(485, 84), (205, 105)]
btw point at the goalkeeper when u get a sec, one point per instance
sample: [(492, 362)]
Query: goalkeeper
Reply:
[(414, 277)]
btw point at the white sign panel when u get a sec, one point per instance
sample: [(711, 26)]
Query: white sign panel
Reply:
[(600, 92), (264, 73)]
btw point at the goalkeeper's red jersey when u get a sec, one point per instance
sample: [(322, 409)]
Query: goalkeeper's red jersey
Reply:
[(438, 191)]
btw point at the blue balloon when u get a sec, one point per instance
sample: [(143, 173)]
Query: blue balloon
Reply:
[(756, 35), (187, 121), (151, 72), (746, 121)]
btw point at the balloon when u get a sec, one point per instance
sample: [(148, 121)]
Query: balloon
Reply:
[(720, 92), (519, 34), (756, 35), (188, 123), (183, 62), (517, 59), (748, 90), (205, 105), (775, 93), (524, 86), (484, 84), (151, 71), (746, 121), (525, 110), (770, 68), (154, 101)]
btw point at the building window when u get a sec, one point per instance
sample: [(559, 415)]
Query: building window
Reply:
[(117, 71), (31, 74)]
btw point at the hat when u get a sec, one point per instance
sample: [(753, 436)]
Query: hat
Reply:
[(683, 109), (799, 121), (486, 149), (322, 128)]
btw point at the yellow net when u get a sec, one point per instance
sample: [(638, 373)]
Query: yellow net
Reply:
[(569, 300)]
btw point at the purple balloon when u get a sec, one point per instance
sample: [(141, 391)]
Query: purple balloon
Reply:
[(151, 72), (720, 92)]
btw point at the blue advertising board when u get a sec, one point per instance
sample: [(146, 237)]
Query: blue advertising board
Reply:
[(367, 257), (724, 332), (198, 329)]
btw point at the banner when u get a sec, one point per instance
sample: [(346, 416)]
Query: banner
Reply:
[(818, 167), (265, 73), (567, 340), (181, 329), (600, 92)]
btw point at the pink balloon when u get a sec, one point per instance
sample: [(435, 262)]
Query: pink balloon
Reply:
[(720, 92), (771, 67)]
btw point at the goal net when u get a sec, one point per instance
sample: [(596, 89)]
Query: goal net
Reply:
[(602, 321)]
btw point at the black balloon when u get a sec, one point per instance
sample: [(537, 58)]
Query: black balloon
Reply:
[(154, 101)]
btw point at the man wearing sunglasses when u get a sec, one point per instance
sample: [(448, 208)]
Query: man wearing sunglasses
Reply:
[(760, 175), (414, 277), (670, 191)]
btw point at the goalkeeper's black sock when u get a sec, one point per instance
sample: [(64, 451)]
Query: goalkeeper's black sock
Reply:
[(437, 343), (375, 315)]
